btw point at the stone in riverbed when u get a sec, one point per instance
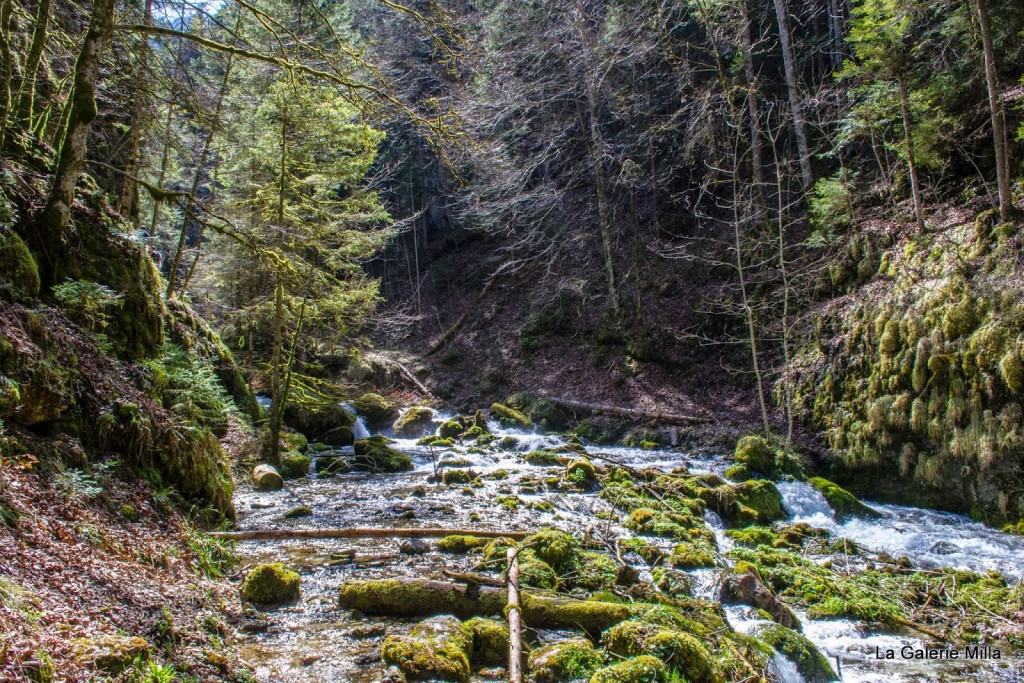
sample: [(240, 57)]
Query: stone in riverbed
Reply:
[(811, 664), (267, 478), (374, 455), (744, 586), (414, 546), (435, 649), (271, 584), (844, 503), (558, 661), (415, 422), (642, 669)]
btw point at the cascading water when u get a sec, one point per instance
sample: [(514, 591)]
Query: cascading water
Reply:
[(314, 642)]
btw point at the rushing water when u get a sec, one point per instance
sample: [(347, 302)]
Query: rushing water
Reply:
[(314, 641)]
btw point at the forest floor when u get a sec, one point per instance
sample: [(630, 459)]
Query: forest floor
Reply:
[(92, 561)]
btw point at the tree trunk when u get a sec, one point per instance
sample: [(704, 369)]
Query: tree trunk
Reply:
[(669, 418), (799, 127), (26, 97), (753, 106), (127, 202), (6, 67), (272, 446), (915, 183), (52, 222), (995, 105)]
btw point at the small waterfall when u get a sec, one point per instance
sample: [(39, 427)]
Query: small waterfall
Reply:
[(785, 669), (359, 429), (804, 503), (264, 401)]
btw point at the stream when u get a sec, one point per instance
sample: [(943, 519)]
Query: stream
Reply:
[(314, 641)]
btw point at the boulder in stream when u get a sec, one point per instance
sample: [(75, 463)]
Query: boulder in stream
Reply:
[(271, 584), (743, 585), (435, 649), (809, 661), (267, 478), (568, 659), (329, 424), (844, 503), (375, 455), (642, 669), (416, 421), (377, 411)]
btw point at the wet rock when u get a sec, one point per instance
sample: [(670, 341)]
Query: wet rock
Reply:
[(330, 424), (415, 422), (110, 654), (626, 575), (456, 476), (262, 504), (510, 417), (271, 584), (366, 631), (581, 472), (643, 669), (377, 411), (267, 478), (294, 465), (434, 649), (675, 584), (943, 548), (744, 586), (574, 658), (809, 661), (375, 455), (298, 512), (490, 641), (414, 546), (459, 543), (493, 674), (393, 675), (844, 503), (450, 429)]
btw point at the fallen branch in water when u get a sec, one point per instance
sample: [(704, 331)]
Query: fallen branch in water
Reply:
[(515, 624), (618, 411), (293, 534)]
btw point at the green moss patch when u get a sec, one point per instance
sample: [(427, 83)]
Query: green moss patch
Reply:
[(271, 584)]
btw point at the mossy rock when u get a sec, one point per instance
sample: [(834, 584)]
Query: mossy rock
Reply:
[(490, 641), (535, 572), (414, 422), (375, 455), (600, 430), (271, 584), (542, 458), (451, 477), (557, 548), (299, 512), (627, 638), (294, 465), (642, 669), (294, 441), (581, 472), (94, 253), (460, 543), (692, 556), (451, 429), (567, 660), (739, 473), (331, 463), (751, 502), (811, 664), (756, 454), (377, 411), (330, 424), (510, 417), (19, 274), (435, 649), (683, 653), (673, 583), (111, 654), (845, 504), (592, 571)]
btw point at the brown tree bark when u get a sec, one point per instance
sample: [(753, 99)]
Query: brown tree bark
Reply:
[(995, 105), (795, 105), (52, 222), (753, 106)]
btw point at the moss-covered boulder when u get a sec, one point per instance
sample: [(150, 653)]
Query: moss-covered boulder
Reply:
[(568, 660), (19, 274), (453, 476), (692, 556), (591, 571), (751, 502), (375, 455), (450, 429), (111, 654), (845, 504), (642, 669), (294, 465), (756, 454), (557, 548), (580, 472), (811, 664), (535, 572), (294, 441), (414, 422), (330, 424), (271, 584), (435, 650), (542, 458), (490, 641), (461, 543), (510, 417), (378, 412), (267, 478)]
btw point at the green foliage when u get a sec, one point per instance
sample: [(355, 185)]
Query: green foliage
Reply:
[(88, 303), (189, 387)]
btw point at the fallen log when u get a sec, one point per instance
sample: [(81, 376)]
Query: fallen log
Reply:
[(618, 411), (515, 624), (428, 597), (305, 534)]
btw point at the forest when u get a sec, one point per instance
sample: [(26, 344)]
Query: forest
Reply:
[(613, 341)]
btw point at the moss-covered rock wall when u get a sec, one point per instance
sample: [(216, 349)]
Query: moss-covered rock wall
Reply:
[(917, 378)]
